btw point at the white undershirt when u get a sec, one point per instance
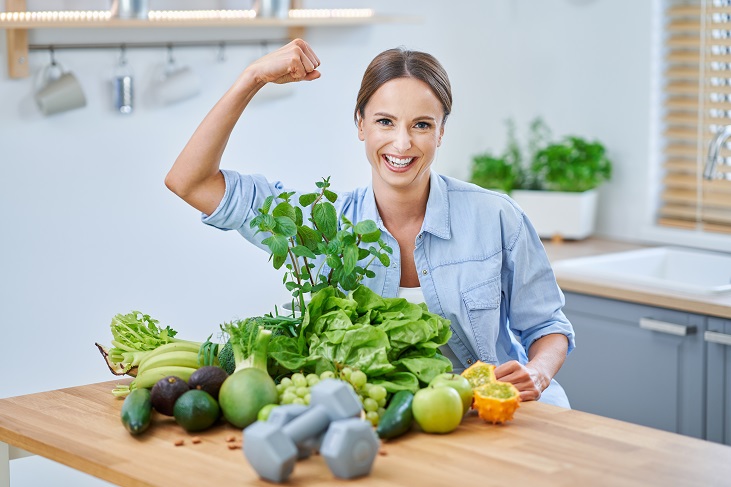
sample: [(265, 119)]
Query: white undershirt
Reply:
[(416, 296)]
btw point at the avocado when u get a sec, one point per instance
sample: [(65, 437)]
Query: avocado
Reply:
[(208, 378), (165, 392)]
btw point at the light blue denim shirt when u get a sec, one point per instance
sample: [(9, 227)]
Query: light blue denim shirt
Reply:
[(480, 263)]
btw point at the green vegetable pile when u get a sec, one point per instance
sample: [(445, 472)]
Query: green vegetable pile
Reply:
[(344, 326), (393, 341)]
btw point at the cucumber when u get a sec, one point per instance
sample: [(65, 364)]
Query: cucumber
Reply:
[(398, 417), (137, 411)]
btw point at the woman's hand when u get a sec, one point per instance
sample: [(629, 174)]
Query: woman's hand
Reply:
[(545, 357), (294, 62), (529, 382)]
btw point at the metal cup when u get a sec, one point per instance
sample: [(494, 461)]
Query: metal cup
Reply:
[(130, 9), (272, 8), (123, 87)]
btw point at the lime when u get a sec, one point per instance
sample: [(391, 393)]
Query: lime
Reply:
[(196, 410)]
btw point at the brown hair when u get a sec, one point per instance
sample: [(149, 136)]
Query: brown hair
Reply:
[(402, 63)]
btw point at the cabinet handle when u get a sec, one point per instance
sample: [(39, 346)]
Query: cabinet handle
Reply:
[(665, 327), (716, 337)]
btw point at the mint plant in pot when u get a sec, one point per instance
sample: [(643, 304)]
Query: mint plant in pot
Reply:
[(556, 185)]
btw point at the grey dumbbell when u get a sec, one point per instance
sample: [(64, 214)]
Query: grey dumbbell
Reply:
[(282, 415), (350, 447), (272, 450)]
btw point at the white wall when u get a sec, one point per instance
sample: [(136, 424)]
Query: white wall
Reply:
[(90, 230)]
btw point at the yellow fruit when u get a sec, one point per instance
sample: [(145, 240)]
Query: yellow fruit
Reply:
[(479, 373), (496, 401)]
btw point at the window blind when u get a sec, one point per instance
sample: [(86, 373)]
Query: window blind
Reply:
[(697, 104)]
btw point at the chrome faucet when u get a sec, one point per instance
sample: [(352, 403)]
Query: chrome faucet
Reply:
[(709, 172)]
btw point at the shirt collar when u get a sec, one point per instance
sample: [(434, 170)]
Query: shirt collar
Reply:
[(436, 220)]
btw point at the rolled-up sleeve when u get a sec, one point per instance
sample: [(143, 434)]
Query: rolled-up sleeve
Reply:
[(536, 301), (244, 194)]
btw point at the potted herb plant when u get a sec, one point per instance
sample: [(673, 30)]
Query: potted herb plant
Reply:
[(556, 185), (499, 172)]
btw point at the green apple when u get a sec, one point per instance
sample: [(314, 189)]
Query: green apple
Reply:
[(459, 384), (437, 409)]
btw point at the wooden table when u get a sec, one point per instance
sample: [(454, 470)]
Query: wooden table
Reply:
[(544, 445)]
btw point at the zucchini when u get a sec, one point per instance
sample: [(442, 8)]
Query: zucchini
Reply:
[(398, 417), (137, 411)]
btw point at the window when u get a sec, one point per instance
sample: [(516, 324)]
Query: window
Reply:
[(697, 104)]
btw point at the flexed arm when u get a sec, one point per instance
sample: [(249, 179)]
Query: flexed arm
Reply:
[(196, 176)]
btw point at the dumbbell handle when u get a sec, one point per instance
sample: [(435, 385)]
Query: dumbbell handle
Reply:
[(308, 424)]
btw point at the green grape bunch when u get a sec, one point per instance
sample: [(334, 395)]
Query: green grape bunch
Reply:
[(296, 390)]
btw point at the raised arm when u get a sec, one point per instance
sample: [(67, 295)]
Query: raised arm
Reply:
[(196, 176)]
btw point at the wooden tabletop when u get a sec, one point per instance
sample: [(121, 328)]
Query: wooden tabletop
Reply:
[(544, 445)]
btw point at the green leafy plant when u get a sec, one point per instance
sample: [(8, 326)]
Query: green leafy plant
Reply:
[(346, 248), (573, 164), (502, 172), (394, 342), (508, 171)]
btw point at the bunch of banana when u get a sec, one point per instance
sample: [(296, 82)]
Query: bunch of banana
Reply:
[(180, 359)]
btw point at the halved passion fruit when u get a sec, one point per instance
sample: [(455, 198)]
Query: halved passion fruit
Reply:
[(496, 402), (479, 374)]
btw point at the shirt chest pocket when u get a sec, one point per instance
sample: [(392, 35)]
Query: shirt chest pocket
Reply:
[(482, 302), (485, 295)]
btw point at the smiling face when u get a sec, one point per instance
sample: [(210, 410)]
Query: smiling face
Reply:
[(402, 126)]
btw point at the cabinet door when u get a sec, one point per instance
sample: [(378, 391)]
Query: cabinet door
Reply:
[(633, 363), (718, 406)]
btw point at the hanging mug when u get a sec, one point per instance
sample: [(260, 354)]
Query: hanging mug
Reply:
[(176, 83), (58, 90)]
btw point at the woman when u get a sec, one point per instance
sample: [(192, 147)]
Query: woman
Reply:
[(470, 254)]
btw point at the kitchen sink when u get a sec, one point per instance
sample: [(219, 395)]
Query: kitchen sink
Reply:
[(671, 268)]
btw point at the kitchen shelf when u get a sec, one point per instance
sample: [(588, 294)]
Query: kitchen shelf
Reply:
[(17, 22)]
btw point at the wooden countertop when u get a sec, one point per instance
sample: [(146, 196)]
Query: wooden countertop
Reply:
[(712, 305), (544, 445)]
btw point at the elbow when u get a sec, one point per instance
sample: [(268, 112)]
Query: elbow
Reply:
[(174, 184)]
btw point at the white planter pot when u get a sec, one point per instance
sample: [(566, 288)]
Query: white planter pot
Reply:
[(556, 214)]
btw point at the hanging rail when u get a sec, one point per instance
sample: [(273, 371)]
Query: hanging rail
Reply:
[(156, 45)]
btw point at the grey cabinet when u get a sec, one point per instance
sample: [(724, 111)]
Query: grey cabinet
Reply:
[(638, 363), (718, 404)]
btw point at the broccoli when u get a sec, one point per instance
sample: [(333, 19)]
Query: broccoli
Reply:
[(226, 358)]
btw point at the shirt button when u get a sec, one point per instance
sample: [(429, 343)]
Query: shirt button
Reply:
[(425, 272), (469, 361), (421, 235)]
